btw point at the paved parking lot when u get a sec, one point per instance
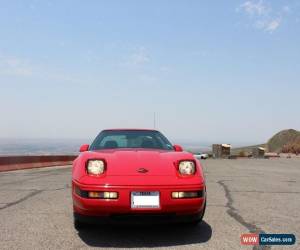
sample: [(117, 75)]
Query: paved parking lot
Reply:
[(243, 196)]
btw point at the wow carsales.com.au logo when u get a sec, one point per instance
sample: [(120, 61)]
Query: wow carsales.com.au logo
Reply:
[(268, 239)]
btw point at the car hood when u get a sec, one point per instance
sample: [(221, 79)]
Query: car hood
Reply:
[(128, 162)]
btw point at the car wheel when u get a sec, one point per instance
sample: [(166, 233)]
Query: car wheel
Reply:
[(196, 222), (78, 225)]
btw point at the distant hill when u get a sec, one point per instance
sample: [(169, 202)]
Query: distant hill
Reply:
[(285, 140)]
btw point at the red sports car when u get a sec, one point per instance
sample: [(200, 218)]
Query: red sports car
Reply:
[(136, 176)]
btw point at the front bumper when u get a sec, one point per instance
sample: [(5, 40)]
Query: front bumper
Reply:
[(122, 206)]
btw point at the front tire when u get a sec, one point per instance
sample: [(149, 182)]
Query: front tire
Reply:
[(198, 220), (78, 225)]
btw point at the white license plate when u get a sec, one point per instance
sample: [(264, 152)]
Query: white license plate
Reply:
[(144, 199)]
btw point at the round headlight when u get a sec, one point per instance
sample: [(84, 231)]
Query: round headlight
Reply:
[(95, 167), (187, 168)]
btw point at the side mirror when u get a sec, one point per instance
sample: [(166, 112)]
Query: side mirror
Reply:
[(177, 148), (84, 147)]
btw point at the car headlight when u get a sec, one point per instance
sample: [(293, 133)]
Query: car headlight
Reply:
[(95, 167), (187, 168)]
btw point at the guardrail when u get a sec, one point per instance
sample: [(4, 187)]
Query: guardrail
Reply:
[(8, 163)]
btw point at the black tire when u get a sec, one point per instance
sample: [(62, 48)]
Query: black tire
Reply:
[(196, 222), (78, 225)]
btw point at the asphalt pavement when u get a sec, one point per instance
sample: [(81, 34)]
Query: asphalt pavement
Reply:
[(245, 195)]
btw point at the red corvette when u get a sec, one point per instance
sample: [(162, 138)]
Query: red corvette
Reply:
[(136, 176)]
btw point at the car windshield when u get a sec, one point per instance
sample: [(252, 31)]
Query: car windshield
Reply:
[(109, 139)]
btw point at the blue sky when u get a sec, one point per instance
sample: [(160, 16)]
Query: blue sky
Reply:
[(213, 71)]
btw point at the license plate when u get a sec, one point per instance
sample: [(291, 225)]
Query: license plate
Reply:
[(144, 199)]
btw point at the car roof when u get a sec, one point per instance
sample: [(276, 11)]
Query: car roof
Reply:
[(129, 129)]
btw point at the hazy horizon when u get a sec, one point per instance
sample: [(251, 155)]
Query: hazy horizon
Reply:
[(71, 146), (173, 140)]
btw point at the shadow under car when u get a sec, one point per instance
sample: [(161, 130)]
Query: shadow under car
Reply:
[(145, 236)]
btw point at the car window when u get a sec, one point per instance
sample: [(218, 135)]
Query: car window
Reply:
[(131, 139), (119, 139)]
